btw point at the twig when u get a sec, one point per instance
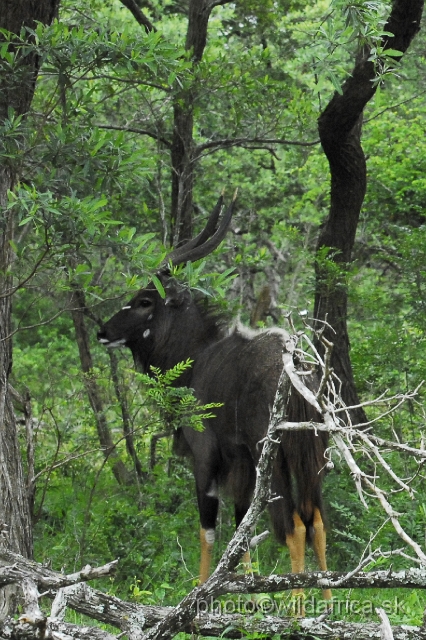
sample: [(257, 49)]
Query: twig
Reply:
[(385, 628)]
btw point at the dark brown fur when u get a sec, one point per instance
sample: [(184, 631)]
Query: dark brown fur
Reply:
[(241, 370)]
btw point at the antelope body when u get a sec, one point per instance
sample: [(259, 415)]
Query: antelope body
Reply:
[(240, 369)]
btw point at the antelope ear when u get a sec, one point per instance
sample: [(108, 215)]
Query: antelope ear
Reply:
[(176, 295)]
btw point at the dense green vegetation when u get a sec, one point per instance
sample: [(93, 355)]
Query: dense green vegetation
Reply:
[(93, 211)]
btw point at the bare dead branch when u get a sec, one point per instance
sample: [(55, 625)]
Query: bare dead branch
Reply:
[(329, 403), (385, 628), (153, 623), (135, 619), (15, 568), (111, 610), (32, 612), (353, 432)]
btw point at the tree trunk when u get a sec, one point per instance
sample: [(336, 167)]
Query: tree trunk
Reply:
[(16, 92), (15, 518), (125, 415), (348, 185), (182, 157), (108, 447), (182, 169), (340, 132)]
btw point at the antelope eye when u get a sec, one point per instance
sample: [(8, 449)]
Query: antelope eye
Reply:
[(144, 302)]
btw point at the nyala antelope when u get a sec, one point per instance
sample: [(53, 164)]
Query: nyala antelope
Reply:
[(241, 370)]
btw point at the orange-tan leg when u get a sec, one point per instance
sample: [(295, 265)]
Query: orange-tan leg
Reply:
[(206, 540), (248, 570), (246, 562), (319, 547), (296, 543)]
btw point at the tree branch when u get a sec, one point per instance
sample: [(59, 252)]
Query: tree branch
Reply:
[(133, 619), (342, 113), (218, 3), (339, 127), (235, 142), (143, 132), (32, 273), (353, 433), (139, 15), (15, 568), (414, 578)]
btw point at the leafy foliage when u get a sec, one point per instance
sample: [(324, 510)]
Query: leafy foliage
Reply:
[(178, 404), (92, 207)]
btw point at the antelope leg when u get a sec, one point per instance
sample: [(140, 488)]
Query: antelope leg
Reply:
[(246, 562), (207, 540), (296, 545), (319, 544)]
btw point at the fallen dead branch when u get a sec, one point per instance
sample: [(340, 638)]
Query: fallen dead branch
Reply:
[(198, 612), (135, 619), (15, 568)]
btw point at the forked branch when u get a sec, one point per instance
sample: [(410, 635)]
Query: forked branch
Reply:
[(329, 403)]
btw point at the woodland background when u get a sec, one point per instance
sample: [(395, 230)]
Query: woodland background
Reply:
[(93, 219)]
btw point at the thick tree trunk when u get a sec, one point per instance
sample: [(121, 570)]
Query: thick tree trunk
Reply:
[(348, 185), (16, 92), (15, 519), (340, 132)]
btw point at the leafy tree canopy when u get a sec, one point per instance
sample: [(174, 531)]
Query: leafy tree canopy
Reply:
[(93, 211)]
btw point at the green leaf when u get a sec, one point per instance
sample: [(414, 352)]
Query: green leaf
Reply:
[(158, 286)]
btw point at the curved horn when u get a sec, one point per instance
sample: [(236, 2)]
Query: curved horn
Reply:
[(206, 241), (204, 235)]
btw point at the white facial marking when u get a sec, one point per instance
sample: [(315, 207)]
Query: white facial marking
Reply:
[(103, 340), (149, 317), (209, 535), (125, 308), (115, 344), (146, 333)]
